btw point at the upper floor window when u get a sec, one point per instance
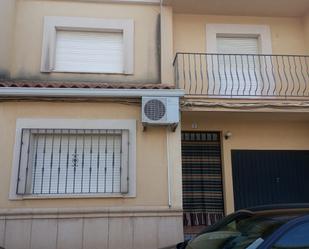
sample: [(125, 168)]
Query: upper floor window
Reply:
[(236, 64), (86, 45), (82, 51), (238, 38)]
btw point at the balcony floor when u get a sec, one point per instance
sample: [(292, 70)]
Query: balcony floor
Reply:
[(196, 103)]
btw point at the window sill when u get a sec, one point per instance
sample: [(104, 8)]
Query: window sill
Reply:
[(91, 72), (71, 196)]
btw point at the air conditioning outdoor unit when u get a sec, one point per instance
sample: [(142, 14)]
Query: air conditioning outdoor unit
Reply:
[(160, 111)]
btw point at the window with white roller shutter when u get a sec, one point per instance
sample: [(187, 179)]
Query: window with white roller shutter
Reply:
[(87, 45), (84, 51), (234, 79)]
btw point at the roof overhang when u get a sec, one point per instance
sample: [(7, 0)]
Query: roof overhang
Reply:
[(147, 2), (283, 8), (21, 92)]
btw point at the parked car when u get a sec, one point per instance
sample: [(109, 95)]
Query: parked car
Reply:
[(276, 227)]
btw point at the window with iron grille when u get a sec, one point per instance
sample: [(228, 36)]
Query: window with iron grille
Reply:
[(73, 161)]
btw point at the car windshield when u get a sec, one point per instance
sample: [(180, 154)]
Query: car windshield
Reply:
[(240, 233)]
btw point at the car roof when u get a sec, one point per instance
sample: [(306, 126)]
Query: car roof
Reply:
[(282, 209), (279, 207)]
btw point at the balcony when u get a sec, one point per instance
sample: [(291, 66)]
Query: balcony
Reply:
[(242, 75)]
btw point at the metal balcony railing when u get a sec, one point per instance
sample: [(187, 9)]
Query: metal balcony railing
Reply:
[(242, 75)]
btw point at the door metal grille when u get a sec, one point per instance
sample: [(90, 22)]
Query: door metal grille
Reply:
[(202, 178)]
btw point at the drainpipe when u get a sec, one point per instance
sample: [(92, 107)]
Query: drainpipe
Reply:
[(168, 170)]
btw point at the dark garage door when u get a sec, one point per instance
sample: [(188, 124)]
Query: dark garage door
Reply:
[(270, 177)]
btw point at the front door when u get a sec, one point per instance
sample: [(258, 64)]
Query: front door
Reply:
[(202, 180)]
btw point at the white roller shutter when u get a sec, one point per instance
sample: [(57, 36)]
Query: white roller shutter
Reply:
[(84, 51), (238, 75), (237, 45)]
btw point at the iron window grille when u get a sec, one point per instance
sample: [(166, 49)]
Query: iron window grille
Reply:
[(73, 161)]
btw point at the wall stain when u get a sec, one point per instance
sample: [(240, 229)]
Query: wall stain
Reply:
[(4, 74)]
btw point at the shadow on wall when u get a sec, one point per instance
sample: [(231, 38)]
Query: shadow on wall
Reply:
[(4, 75)]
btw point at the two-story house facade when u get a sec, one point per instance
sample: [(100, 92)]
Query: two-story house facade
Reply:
[(80, 167), (78, 171), (244, 122)]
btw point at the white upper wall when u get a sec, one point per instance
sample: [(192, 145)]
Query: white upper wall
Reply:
[(7, 14), (29, 30), (190, 31)]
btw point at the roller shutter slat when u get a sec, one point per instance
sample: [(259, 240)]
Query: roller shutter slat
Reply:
[(81, 51)]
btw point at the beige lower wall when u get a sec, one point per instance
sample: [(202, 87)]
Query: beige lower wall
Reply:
[(144, 222), (249, 131), (151, 168), (282, 131), (99, 230)]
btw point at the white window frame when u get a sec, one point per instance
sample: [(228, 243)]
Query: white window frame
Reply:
[(262, 32), (127, 124), (54, 23)]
